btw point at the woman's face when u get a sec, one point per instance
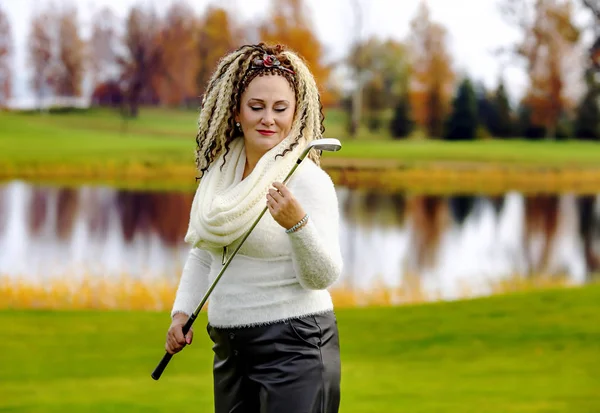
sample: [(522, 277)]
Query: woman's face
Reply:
[(267, 108)]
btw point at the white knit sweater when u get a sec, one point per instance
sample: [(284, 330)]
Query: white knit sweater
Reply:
[(274, 276)]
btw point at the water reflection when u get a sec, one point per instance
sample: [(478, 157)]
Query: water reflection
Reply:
[(442, 246)]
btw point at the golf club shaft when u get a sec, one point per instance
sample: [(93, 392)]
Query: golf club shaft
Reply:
[(188, 325)]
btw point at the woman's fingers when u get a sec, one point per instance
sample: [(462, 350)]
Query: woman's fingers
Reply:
[(282, 189), (176, 340), (189, 336), (276, 195), (178, 334)]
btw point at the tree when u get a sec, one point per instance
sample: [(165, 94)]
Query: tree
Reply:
[(40, 53), (217, 36), (462, 123), (432, 81), (68, 68), (385, 68), (495, 111), (503, 126), (142, 64), (484, 105), (525, 126), (178, 41), (102, 46), (587, 122), (401, 125), (548, 48), (594, 8), (6, 51), (289, 23)]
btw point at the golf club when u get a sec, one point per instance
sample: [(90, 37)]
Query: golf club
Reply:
[(328, 144)]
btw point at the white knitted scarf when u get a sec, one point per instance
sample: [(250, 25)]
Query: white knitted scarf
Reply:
[(225, 206)]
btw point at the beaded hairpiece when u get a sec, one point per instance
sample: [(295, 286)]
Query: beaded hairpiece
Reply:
[(269, 61)]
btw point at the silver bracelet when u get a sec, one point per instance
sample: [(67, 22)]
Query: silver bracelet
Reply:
[(298, 225)]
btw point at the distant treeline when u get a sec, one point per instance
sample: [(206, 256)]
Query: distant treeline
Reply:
[(409, 86)]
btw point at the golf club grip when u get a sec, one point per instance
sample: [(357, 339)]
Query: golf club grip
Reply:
[(158, 371), (161, 366)]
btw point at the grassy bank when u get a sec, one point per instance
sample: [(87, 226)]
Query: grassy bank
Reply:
[(533, 352), (157, 149)]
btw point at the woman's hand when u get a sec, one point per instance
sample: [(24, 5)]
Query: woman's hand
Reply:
[(175, 339), (284, 208)]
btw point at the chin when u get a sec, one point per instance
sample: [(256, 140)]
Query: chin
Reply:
[(266, 143)]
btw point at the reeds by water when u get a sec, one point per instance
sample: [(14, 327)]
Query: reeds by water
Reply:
[(125, 293)]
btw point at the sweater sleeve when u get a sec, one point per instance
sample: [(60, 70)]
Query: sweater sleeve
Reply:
[(316, 253), (193, 282)]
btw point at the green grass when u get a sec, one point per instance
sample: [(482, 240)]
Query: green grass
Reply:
[(166, 137), (529, 352), (507, 153)]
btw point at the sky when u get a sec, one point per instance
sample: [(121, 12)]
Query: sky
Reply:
[(475, 29)]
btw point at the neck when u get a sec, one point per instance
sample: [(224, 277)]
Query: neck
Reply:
[(252, 159)]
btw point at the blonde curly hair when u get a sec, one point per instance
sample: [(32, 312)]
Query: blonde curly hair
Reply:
[(221, 101)]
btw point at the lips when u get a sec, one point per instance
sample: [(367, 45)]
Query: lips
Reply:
[(266, 132)]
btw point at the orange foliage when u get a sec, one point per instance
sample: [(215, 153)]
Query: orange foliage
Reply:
[(217, 36), (548, 47), (289, 24), (69, 66), (432, 82), (178, 45)]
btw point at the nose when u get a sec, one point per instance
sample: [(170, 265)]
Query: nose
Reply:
[(268, 119)]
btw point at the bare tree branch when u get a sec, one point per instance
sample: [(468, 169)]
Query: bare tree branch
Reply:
[(594, 6)]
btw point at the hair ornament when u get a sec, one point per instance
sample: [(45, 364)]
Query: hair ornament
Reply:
[(269, 61)]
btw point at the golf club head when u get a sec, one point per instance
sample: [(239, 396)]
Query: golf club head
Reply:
[(327, 144)]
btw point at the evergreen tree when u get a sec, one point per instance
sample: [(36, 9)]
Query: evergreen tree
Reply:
[(587, 122), (485, 107), (525, 127), (503, 123), (462, 123), (401, 125)]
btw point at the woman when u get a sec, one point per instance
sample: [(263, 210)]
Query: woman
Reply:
[(270, 317)]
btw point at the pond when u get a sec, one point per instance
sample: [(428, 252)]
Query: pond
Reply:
[(419, 247)]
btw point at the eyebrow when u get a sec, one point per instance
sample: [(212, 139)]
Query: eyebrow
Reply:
[(262, 101)]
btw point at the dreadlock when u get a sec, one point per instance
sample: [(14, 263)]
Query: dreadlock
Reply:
[(216, 122)]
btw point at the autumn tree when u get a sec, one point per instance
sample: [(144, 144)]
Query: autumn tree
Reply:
[(384, 65), (142, 63), (69, 64), (40, 53), (432, 81), (289, 23), (548, 46), (178, 42), (102, 47), (217, 36), (6, 51)]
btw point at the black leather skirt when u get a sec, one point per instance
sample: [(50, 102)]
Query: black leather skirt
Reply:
[(292, 366)]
